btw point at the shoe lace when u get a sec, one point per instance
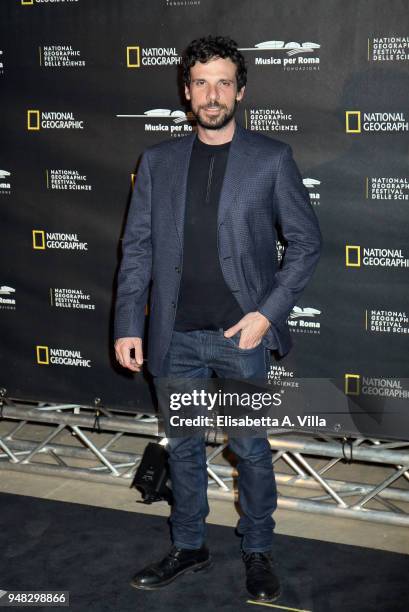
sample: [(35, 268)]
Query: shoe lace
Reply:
[(256, 560), (168, 562)]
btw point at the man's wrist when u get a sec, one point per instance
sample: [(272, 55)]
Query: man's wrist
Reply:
[(267, 321)]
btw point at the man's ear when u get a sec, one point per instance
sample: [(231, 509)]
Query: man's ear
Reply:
[(187, 92), (240, 94)]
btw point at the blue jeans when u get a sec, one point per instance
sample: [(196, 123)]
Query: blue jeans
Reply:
[(195, 354)]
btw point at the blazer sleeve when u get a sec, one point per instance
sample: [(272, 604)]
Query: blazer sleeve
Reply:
[(299, 227), (135, 270)]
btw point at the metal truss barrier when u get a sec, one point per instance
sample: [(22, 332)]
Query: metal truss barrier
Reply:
[(93, 432)]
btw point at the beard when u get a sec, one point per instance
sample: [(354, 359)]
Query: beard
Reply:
[(217, 122)]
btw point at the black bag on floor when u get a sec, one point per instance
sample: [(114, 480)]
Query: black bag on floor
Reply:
[(152, 475)]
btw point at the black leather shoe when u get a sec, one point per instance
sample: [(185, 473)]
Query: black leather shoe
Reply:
[(177, 562), (262, 582)]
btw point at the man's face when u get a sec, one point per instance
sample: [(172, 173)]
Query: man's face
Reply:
[(213, 92)]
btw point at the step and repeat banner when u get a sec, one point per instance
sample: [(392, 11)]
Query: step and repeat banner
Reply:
[(87, 85)]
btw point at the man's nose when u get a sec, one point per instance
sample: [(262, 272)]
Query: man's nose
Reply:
[(213, 93)]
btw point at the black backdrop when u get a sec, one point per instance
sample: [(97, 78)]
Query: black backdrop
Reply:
[(78, 79)]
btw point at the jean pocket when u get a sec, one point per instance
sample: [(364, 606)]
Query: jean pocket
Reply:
[(235, 340)]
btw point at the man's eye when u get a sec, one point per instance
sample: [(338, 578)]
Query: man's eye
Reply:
[(226, 83), (199, 83)]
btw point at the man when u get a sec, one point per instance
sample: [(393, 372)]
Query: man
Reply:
[(202, 226)]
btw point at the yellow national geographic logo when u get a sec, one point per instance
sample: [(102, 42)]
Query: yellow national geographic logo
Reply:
[(352, 256), (27, 2), (133, 57), (42, 355), (38, 239), (353, 122), (33, 120), (352, 384)]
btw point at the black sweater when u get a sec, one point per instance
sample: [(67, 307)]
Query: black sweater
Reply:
[(205, 301)]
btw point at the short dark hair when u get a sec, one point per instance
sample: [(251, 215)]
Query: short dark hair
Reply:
[(208, 47)]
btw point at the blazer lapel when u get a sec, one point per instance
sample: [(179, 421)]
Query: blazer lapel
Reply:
[(237, 162), (180, 167)]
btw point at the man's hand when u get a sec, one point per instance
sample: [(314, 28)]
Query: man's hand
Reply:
[(123, 348), (253, 326)]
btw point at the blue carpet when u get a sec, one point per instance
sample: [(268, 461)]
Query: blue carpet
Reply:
[(93, 552)]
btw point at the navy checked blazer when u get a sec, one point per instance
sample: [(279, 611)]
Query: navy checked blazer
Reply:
[(262, 191)]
